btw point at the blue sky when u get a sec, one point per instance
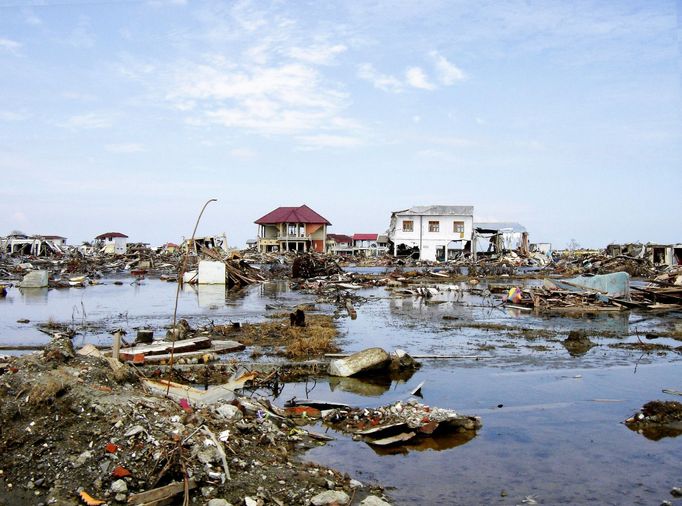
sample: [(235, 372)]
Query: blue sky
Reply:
[(128, 115)]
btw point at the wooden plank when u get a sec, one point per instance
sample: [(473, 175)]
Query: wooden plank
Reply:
[(155, 496), (217, 347), (195, 343), (400, 438)]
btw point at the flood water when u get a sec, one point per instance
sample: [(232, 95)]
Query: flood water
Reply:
[(552, 423)]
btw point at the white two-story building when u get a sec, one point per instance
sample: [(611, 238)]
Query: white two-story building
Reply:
[(435, 233)]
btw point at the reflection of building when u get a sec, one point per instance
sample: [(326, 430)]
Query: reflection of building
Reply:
[(431, 232), (113, 243), (292, 229)]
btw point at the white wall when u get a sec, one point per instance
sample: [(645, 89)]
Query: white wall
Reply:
[(427, 241)]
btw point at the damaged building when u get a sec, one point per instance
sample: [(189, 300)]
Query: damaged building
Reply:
[(292, 229), (35, 245), (492, 238), (657, 254), (435, 233), (112, 243)]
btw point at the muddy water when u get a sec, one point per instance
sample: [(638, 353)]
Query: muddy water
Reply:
[(552, 428)]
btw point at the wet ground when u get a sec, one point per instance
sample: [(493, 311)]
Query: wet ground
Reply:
[(552, 430)]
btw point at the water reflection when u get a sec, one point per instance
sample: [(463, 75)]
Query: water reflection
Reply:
[(656, 433), (211, 296), (369, 386), (34, 295), (435, 442)]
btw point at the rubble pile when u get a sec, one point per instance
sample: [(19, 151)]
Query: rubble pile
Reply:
[(399, 422), (599, 263), (73, 430), (657, 419), (312, 265)]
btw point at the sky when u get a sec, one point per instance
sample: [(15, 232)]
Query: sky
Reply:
[(128, 115)]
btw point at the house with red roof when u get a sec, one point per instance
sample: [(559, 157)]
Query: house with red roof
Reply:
[(370, 244), (339, 244), (113, 243), (292, 229)]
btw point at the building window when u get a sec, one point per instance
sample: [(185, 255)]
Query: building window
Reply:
[(434, 226), (408, 225), (458, 227)]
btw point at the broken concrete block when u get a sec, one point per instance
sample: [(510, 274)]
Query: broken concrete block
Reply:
[(330, 497), (34, 279), (366, 360), (372, 500), (211, 273)]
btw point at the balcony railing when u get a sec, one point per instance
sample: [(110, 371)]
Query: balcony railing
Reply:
[(294, 237)]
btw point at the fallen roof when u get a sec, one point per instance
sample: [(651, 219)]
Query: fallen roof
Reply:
[(302, 214), (497, 226), (438, 211), (111, 235)]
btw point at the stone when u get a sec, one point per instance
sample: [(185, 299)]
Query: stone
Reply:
[(82, 458), (218, 502), (330, 497), (355, 484), (229, 412), (362, 361), (372, 500), (676, 492), (119, 487)]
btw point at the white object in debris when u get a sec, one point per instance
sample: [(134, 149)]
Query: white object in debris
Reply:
[(34, 279), (371, 358), (189, 277), (211, 273)]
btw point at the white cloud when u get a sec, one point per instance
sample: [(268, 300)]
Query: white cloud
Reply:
[(381, 81), (10, 46), (82, 36), (243, 153), (318, 55), (125, 148), (417, 79), (87, 121), (32, 19), (330, 141), (448, 73), (289, 98), (13, 116)]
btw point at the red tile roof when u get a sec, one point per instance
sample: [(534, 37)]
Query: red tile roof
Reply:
[(111, 235), (340, 238), (302, 214), (365, 237)]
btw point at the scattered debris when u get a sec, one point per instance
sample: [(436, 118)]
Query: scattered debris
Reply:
[(658, 419)]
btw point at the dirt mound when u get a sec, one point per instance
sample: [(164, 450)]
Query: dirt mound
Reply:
[(70, 424)]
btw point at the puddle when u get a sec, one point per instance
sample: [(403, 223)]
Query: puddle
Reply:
[(551, 421)]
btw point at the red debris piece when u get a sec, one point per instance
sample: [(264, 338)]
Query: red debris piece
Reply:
[(184, 404), (120, 472), (111, 448), (298, 411)]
